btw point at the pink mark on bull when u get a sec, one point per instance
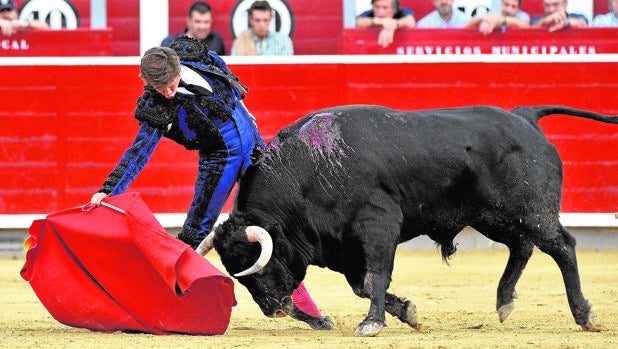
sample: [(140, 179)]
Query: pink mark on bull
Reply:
[(319, 132)]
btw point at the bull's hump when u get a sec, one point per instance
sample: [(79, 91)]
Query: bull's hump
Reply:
[(320, 132)]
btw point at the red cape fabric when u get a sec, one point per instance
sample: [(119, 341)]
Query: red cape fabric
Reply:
[(110, 271)]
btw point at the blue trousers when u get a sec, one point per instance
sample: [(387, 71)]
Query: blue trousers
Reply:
[(218, 171)]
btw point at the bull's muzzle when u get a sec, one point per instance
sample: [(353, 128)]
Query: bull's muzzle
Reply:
[(278, 308)]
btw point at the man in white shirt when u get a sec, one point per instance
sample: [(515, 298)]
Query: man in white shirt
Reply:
[(444, 16)]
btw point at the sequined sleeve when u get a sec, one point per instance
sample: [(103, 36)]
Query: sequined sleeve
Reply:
[(133, 160)]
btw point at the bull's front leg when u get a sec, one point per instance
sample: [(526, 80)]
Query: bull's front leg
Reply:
[(377, 225), (402, 309), (374, 288)]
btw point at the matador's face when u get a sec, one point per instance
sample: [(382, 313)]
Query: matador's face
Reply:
[(170, 90)]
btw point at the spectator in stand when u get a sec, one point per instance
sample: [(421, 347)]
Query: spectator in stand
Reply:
[(259, 40), (10, 22), (511, 15), (199, 25), (609, 19), (388, 15), (557, 18), (444, 16)]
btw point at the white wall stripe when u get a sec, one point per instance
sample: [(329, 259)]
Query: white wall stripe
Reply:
[(325, 59)]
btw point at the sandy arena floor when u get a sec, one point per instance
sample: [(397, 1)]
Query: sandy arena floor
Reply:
[(456, 306)]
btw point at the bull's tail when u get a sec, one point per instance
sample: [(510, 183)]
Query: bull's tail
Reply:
[(534, 114)]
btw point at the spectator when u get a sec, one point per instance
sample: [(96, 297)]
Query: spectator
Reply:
[(258, 40), (556, 17), (609, 19), (199, 24), (388, 15), (444, 16), (510, 16), (10, 22)]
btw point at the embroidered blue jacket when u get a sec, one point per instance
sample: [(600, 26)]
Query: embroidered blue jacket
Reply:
[(189, 120)]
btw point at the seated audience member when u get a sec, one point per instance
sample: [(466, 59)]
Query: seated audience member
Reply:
[(556, 17), (444, 16), (388, 15), (609, 19), (199, 24), (10, 22), (258, 40), (511, 15)]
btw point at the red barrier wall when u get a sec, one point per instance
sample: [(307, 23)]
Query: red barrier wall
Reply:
[(76, 42), (67, 121)]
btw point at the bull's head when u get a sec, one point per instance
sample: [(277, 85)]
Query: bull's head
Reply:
[(249, 253)]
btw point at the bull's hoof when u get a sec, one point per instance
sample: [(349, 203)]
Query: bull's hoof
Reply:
[(321, 323), (590, 328), (368, 328), (409, 316), (584, 317), (590, 325), (316, 323), (505, 310)]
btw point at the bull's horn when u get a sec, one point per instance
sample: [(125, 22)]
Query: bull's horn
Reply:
[(258, 234), (206, 244)]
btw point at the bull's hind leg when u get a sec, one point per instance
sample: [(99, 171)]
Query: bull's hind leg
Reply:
[(519, 254), (402, 309), (561, 247), (520, 251)]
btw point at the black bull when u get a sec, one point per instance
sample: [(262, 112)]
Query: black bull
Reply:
[(342, 187)]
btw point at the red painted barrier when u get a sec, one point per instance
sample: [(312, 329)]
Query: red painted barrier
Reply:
[(62, 42), (67, 121)]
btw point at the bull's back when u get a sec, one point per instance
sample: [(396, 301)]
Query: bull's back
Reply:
[(382, 136), (340, 158)]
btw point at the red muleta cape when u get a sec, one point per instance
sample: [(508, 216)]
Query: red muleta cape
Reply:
[(107, 270)]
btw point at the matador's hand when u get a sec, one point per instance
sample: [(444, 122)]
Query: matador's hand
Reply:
[(97, 198)]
